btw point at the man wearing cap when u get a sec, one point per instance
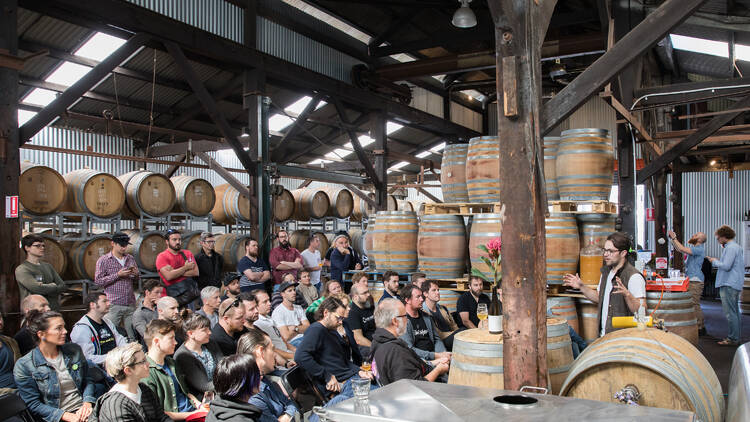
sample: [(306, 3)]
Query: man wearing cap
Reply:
[(231, 286), (115, 272), (284, 260), (210, 263), (290, 317)]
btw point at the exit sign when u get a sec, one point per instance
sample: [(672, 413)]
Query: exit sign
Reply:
[(11, 206)]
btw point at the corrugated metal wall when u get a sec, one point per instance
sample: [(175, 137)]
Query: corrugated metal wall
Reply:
[(215, 16)]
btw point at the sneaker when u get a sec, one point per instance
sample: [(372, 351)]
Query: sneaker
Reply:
[(702, 332)]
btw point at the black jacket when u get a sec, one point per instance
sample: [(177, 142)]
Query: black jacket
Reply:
[(394, 360), (323, 353), (193, 370), (209, 269), (116, 407), (230, 411)]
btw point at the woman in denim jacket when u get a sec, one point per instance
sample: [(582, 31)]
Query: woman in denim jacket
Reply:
[(53, 378)]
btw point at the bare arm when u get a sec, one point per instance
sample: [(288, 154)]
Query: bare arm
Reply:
[(287, 332), (170, 273), (439, 370), (361, 339), (465, 320), (575, 282), (633, 302), (679, 247)]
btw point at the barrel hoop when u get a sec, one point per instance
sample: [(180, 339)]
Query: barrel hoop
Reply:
[(435, 234), (477, 368), (561, 236), (668, 301), (560, 345), (440, 259), (486, 234), (493, 180), (572, 132), (588, 315), (453, 185), (485, 350), (681, 323), (560, 369), (673, 311)]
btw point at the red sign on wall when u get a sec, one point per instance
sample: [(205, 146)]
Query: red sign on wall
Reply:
[(11, 206), (650, 214), (662, 263)]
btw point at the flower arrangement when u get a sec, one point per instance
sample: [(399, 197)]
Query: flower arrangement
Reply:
[(493, 258)]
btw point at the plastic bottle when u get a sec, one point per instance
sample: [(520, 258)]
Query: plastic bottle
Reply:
[(591, 259)]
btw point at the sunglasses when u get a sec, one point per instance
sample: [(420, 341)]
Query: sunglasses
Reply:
[(237, 302)]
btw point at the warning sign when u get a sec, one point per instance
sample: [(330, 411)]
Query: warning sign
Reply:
[(662, 263), (11, 206)]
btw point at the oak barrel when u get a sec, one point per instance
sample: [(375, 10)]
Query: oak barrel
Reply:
[(145, 247), (192, 242), (362, 210), (369, 245), (483, 169), (83, 254), (441, 246), (594, 228), (588, 319), (310, 203), (563, 307), (94, 192), (484, 227), (677, 311), (283, 206), (41, 190), (357, 237), (54, 254), (193, 195), (668, 371), (147, 192), (448, 298), (376, 290), (341, 202), (550, 172), (231, 206), (395, 241), (585, 165), (453, 173), (232, 247), (561, 235)]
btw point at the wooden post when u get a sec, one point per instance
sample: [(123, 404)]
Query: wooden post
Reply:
[(379, 134), (660, 217), (520, 26), (677, 219), (10, 228)]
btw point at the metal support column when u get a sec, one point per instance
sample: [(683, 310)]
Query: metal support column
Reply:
[(379, 134), (263, 182)]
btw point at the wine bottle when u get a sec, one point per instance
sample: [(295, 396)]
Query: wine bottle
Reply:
[(495, 314)]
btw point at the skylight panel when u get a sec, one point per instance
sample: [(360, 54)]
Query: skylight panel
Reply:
[(424, 154), (68, 73), (438, 148), (399, 165), (298, 106), (742, 52), (99, 47), (277, 122), (24, 116), (40, 97), (365, 140), (700, 45), (391, 127), (330, 20)]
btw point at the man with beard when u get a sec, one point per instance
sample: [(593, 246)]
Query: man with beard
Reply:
[(115, 273), (420, 332), (467, 304), (231, 326), (621, 290), (232, 287), (390, 286), (284, 259), (392, 357), (254, 271), (290, 317), (176, 265), (210, 263), (361, 319), (168, 309), (251, 309), (265, 323), (94, 333), (696, 253), (729, 278), (146, 309)]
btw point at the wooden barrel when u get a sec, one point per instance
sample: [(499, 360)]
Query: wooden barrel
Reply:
[(232, 247), (376, 290), (448, 298), (148, 193), (299, 240), (369, 244), (145, 247), (478, 357), (453, 173), (588, 319), (561, 234), (594, 228), (483, 169), (283, 206), (563, 308), (395, 241), (441, 246), (192, 242), (41, 189), (231, 206), (484, 227), (54, 254), (357, 237), (745, 297), (193, 195), (677, 311), (310, 203), (550, 173), (341, 202), (362, 210), (83, 254), (94, 192), (668, 371), (585, 165)]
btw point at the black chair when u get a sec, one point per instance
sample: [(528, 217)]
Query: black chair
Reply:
[(15, 409), (308, 395)]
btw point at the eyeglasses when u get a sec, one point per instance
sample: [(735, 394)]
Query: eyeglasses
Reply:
[(209, 241), (38, 245), (237, 302), (611, 251), (339, 318), (140, 362), (401, 316)]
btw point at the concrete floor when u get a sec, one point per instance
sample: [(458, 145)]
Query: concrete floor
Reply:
[(720, 357)]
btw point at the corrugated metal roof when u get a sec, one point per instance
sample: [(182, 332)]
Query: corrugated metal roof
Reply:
[(702, 64)]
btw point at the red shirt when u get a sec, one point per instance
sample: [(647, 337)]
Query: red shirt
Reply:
[(175, 261), (279, 254)]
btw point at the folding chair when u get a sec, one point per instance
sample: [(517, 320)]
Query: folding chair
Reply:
[(14, 409), (308, 395)]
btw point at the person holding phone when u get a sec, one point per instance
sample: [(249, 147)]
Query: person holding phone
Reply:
[(115, 273)]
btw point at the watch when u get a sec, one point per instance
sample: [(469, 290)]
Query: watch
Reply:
[(296, 328)]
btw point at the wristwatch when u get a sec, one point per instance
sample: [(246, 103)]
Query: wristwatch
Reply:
[(296, 328)]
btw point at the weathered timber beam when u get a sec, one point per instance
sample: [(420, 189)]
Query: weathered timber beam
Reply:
[(305, 172), (194, 146), (173, 168), (679, 134), (226, 175), (709, 168), (67, 98), (361, 155), (305, 183), (654, 27), (139, 126), (361, 195), (302, 118), (741, 149), (618, 107), (429, 195), (692, 140)]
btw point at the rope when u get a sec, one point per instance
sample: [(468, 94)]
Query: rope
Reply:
[(117, 104), (151, 111)]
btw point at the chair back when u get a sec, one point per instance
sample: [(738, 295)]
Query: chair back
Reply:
[(14, 409), (308, 395)]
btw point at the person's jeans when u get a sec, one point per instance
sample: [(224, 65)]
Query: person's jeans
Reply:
[(122, 315), (276, 287), (346, 393), (731, 310), (297, 341)]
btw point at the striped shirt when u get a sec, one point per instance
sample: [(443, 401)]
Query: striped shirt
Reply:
[(119, 290)]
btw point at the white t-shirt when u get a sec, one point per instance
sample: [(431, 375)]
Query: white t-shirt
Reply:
[(268, 326), (283, 316), (120, 388), (636, 287), (312, 260), (120, 260)]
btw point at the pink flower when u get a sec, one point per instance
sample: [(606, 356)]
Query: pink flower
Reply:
[(495, 244)]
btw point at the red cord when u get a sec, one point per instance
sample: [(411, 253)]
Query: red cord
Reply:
[(663, 287)]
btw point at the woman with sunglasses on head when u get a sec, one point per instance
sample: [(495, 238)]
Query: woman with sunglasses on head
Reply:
[(197, 357), (128, 400), (236, 378), (53, 378)]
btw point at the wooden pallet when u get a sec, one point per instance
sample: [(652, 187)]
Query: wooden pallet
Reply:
[(463, 208), (457, 284), (581, 207)]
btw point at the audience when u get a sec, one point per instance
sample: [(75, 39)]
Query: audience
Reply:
[(331, 287), (361, 319), (211, 297), (324, 356), (115, 272), (231, 286), (392, 358), (343, 258), (360, 279), (24, 337), (53, 380), (271, 400), (306, 290), (198, 356), (289, 317), (253, 269), (9, 354), (230, 327), (34, 276), (237, 379), (390, 286), (276, 298), (210, 263), (146, 310), (129, 400), (444, 324), (420, 333), (178, 270), (251, 309), (346, 336), (94, 332), (418, 278), (284, 259), (312, 263), (268, 326), (466, 306), (165, 379), (168, 310)]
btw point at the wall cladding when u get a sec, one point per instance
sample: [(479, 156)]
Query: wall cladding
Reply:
[(218, 17)]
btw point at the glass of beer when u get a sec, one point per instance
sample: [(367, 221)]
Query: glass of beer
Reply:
[(482, 312), (366, 366)]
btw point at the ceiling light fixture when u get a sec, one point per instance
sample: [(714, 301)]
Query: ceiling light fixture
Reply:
[(464, 16), (713, 162)]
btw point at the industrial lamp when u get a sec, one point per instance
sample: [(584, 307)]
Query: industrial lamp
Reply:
[(464, 16)]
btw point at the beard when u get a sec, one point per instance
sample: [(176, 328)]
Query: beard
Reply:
[(175, 248), (284, 244)]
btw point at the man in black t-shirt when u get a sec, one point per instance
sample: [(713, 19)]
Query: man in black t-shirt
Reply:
[(420, 333), (94, 333), (361, 317), (466, 306), (253, 269)]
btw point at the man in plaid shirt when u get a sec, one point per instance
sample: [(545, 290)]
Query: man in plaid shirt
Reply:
[(115, 272)]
